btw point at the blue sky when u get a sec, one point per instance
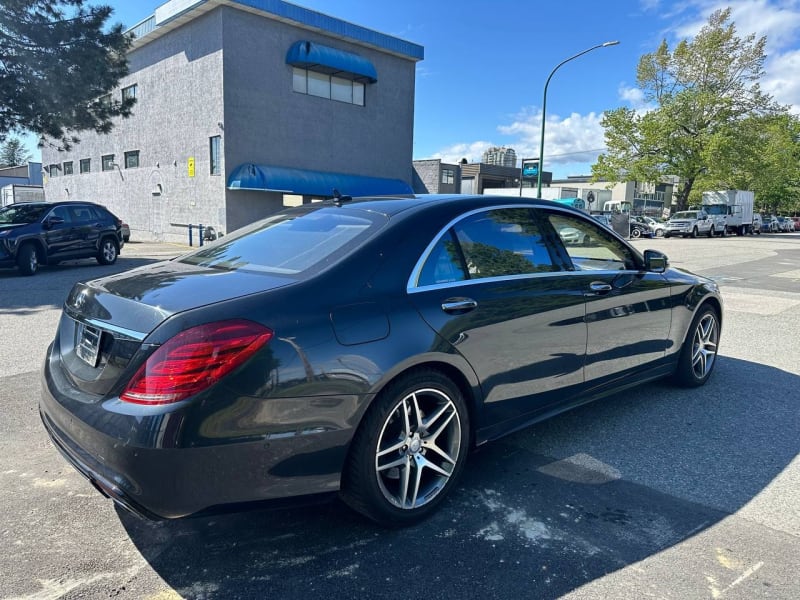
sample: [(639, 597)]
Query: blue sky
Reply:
[(486, 63)]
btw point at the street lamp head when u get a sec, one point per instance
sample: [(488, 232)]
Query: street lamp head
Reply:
[(614, 43)]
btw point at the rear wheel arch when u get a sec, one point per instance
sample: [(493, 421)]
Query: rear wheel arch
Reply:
[(469, 390), (382, 492)]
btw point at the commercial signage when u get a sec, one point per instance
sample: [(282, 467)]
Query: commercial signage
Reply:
[(530, 169)]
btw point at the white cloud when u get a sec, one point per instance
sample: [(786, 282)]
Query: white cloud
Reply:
[(635, 98), (471, 151), (781, 80), (571, 144), (778, 20), (574, 139)]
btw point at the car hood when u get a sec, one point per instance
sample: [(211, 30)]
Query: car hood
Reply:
[(140, 299), (6, 226)]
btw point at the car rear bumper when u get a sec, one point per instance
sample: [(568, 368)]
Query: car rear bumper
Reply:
[(157, 482)]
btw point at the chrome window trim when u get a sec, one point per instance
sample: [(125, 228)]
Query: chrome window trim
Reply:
[(466, 282)]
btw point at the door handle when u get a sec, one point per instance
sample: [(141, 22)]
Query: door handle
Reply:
[(459, 305), (598, 288)]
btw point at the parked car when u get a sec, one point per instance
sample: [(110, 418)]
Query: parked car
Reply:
[(757, 224), (639, 228), (690, 223), (785, 225), (37, 233), (796, 223), (658, 228), (572, 236), (604, 219), (126, 232), (770, 224), (363, 346)]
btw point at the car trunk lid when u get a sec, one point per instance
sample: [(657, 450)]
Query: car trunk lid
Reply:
[(105, 322)]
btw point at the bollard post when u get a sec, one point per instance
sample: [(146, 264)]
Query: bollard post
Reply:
[(190, 234), (200, 233)]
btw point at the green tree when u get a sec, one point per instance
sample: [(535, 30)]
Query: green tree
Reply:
[(702, 95), (13, 153), (764, 156), (57, 67)]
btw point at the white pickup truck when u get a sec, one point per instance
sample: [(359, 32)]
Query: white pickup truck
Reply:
[(690, 223)]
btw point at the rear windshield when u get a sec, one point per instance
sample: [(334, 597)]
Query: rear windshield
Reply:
[(291, 242)]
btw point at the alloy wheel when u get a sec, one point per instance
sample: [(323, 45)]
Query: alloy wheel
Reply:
[(704, 345), (418, 448)]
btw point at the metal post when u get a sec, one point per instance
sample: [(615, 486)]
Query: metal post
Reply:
[(544, 109), (190, 234), (200, 233)]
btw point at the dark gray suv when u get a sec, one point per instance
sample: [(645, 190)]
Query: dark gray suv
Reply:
[(37, 233)]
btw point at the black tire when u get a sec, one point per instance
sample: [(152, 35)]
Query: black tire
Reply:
[(636, 232), (666, 234), (108, 252), (28, 259), (397, 472), (694, 232), (699, 351), (660, 233), (711, 232)]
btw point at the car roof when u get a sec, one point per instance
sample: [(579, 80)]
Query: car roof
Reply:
[(57, 203), (393, 205)]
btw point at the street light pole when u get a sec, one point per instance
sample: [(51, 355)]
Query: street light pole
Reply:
[(544, 108)]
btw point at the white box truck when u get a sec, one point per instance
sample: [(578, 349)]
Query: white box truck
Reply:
[(730, 210)]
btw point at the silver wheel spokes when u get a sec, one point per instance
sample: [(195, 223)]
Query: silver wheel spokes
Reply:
[(109, 251), (704, 346), (418, 448)]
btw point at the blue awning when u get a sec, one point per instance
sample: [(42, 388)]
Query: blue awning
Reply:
[(266, 178), (325, 59)]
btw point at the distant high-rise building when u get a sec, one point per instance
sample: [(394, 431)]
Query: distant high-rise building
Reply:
[(505, 157)]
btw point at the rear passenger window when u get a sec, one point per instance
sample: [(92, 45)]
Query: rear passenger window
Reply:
[(493, 243), (503, 242)]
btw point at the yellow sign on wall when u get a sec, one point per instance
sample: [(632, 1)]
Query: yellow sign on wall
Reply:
[(191, 166)]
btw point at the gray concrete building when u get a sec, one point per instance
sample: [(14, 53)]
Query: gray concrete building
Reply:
[(432, 176), (243, 107)]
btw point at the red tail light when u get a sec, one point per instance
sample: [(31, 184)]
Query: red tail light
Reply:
[(194, 360)]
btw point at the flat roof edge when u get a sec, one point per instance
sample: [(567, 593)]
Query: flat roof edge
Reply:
[(282, 11)]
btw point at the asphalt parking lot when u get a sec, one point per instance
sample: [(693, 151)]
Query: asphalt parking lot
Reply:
[(655, 493)]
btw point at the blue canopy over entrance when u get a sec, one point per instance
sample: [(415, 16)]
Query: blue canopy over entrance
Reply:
[(316, 57), (249, 176)]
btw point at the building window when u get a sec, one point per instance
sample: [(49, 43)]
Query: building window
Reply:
[(323, 85), (107, 162), (53, 170), (68, 168), (448, 176), (214, 154), (131, 159), (86, 165), (105, 100), (129, 92)]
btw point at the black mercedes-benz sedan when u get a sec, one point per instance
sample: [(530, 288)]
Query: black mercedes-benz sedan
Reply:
[(360, 347)]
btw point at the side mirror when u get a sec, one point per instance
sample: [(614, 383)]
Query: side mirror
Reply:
[(53, 221), (655, 261)]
